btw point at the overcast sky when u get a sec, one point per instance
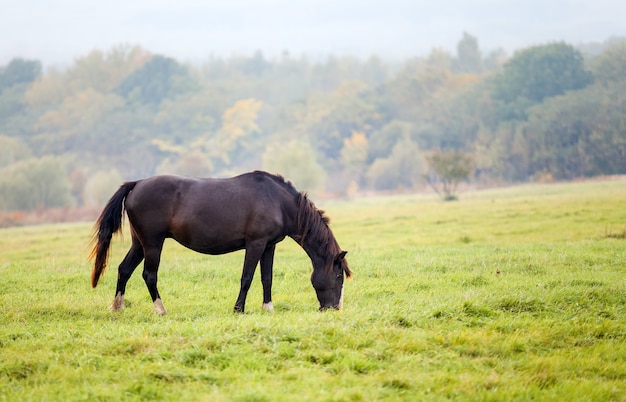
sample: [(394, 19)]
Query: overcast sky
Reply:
[(59, 31)]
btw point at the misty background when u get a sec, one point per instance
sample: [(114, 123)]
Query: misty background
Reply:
[(342, 98), (190, 30)]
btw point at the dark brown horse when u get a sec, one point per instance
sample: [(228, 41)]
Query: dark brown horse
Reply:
[(253, 211)]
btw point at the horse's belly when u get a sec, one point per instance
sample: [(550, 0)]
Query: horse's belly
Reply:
[(217, 232), (212, 246)]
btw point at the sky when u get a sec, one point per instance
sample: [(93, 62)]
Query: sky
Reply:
[(57, 32)]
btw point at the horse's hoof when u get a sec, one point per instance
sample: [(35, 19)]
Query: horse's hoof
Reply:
[(238, 309), (268, 306), (158, 307), (118, 304)]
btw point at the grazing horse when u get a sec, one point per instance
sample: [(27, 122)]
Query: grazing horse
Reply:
[(253, 211)]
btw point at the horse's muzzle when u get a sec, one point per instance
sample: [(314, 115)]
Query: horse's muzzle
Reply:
[(324, 308)]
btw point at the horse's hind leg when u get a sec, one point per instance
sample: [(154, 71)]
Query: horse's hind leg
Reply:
[(124, 272), (152, 256)]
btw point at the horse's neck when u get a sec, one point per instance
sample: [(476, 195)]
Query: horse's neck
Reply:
[(317, 245), (318, 253)]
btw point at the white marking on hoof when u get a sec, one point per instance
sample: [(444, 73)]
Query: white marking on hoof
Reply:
[(118, 303), (268, 306), (158, 307)]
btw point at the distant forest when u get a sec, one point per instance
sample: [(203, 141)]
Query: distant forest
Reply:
[(341, 126)]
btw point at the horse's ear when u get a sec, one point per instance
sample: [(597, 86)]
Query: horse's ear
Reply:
[(341, 256)]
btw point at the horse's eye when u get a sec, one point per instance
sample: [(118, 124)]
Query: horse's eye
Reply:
[(339, 276)]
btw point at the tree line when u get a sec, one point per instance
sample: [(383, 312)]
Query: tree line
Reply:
[(69, 136)]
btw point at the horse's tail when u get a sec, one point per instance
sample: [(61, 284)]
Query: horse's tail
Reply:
[(109, 222)]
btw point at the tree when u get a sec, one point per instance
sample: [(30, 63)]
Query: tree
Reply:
[(100, 186), (446, 170), (82, 122), (610, 66), (383, 140), (536, 73), (181, 120), (104, 71), (160, 78), (402, 168), (214, 150), (329, 119), (354, 157), (12, 150), (406, 95), (19, 71), (495, 59), (536, 115), (453, 114), (580, 134), (503, 154), (239, 126), (374, 72), (15, 79), (469, 59), (256, 65), (296, 161)]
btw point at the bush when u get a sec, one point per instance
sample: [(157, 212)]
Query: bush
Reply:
[(446, 170), (34, 184)]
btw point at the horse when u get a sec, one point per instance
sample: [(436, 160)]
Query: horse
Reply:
[(253, 211)]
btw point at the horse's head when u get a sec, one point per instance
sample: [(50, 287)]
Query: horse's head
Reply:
[(328, 283)]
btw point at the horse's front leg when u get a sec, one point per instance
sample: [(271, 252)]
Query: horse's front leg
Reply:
[(124, 272), (267, 262), (254, 250), (150, 270)]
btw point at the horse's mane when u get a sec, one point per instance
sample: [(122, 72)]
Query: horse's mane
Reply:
[(311, 223)]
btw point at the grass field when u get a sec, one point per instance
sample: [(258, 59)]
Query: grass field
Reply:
[(509, 294)]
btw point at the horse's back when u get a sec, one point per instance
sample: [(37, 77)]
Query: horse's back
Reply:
[(208, 215)]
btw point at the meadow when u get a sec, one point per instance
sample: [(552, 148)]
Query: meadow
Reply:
[(514, 293)]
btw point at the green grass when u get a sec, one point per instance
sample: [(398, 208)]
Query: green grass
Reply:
[(509, 294)]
